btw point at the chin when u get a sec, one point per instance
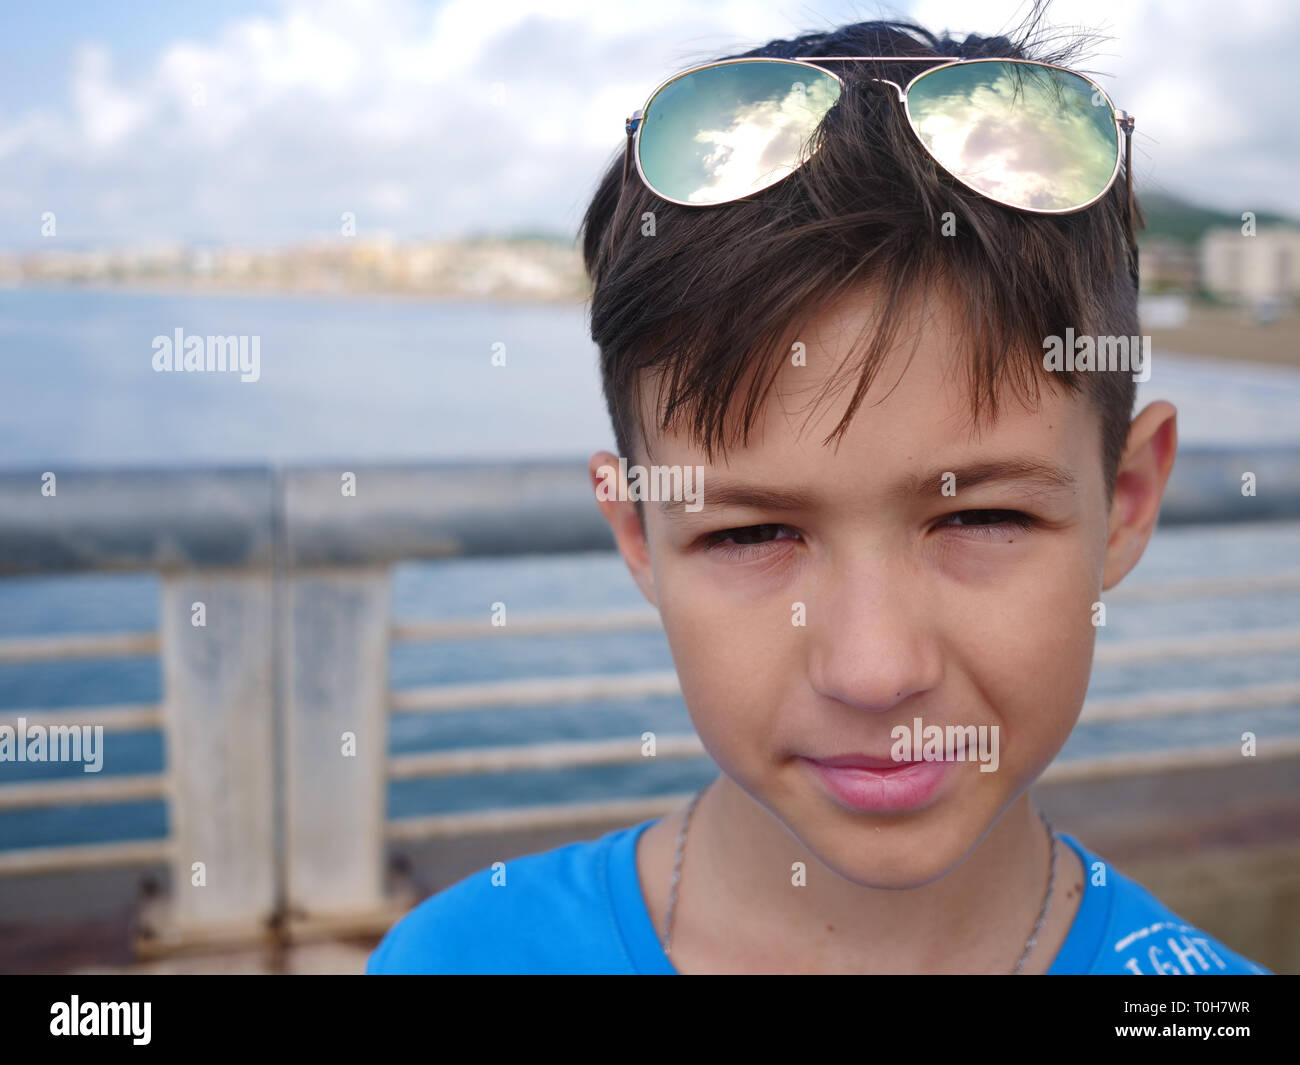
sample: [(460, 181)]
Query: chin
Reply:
[(896, 850), (895, 860)]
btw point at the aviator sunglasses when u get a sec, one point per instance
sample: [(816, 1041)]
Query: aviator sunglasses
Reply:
[(1029, 135)]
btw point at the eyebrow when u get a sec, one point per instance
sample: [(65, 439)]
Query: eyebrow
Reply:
[(1037, 476)]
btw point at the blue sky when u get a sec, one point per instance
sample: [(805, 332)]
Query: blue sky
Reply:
[(259, 123), (41, 40)]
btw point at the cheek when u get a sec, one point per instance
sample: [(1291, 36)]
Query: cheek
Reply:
[(1029, 647), (734, 664)]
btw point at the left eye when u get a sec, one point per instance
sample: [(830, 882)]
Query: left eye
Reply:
[(987, 519)]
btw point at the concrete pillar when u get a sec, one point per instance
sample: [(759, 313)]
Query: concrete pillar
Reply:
[(336, 740), (217, 651)]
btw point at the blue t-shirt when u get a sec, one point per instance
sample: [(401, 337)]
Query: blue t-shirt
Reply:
[(578, 909)]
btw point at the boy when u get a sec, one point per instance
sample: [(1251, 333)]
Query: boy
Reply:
[(880, 606)]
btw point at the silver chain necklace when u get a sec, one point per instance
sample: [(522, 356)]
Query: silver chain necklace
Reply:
[(677, 876)]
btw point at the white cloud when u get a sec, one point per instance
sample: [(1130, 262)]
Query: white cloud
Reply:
[(270, 128), (106, 114)]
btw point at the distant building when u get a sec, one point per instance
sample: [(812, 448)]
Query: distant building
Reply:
[(504, 268), (1164, 310), (1167, 264), (1263, 269)]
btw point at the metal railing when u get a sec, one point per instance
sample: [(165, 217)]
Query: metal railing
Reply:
[(294, 575)]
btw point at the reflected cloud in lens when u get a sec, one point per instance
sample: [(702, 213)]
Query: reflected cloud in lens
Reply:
[(732, 130), (761, 144), (1031, 137)]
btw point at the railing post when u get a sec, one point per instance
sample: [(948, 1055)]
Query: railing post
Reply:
[(336, 743), (216, 652)]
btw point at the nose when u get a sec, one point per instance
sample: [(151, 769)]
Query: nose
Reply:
[(871, 639)]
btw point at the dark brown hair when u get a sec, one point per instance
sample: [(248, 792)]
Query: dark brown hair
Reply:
[(708, 306)]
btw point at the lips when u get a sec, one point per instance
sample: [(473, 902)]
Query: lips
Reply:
[(867, 783), (861, 761)]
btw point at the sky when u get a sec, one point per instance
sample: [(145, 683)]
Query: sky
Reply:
[(261, 122)]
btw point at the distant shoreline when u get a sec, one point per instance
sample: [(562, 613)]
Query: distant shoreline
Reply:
[(405, 296)]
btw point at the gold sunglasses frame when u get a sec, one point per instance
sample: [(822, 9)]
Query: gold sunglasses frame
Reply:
[(1124, 122)]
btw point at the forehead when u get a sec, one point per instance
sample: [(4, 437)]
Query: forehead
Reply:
[(917, 413)]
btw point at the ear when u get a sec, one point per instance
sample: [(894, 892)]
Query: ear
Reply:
[(1139, 487), (621, 512)]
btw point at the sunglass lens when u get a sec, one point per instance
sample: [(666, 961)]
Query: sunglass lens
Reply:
[(1030, 136), (727, 131)]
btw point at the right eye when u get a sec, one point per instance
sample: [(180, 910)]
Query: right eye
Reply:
[(748, 541)]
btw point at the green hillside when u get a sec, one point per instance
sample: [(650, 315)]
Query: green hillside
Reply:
[(1169, 216)]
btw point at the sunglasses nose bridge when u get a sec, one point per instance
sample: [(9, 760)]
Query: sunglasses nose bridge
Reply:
[(897, 88)]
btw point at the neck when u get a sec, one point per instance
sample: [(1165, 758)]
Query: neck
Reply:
[(975, 918)]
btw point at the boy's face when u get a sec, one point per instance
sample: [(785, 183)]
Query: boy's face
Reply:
[(869, 597)]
